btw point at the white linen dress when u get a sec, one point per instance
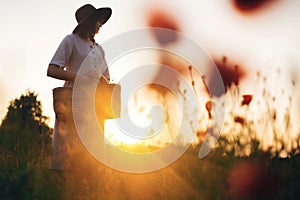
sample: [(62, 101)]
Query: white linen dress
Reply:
[(78, 56)]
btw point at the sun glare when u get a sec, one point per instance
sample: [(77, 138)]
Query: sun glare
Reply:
[(114, 136), (143, 128)]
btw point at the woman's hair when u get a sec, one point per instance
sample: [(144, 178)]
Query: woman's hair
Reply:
[(87, 29)]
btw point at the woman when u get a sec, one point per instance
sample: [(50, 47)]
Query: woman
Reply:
[(79, 58)]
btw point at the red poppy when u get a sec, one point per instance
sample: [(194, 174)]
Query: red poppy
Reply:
[(250, 5), (247, 98), (239, 120), (208, 106), (231, 74), (161, 19)]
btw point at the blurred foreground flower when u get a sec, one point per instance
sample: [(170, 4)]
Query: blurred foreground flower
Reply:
[(160, 19)]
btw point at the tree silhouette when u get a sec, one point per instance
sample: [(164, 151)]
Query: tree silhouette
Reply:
[(25, 145), (24, 123)]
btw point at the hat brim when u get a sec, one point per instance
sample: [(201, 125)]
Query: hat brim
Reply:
[(100, 13)]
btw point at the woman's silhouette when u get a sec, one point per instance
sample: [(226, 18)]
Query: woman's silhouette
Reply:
[(76, 51)]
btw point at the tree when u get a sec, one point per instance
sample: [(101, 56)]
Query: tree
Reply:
[(25, 145), (24, 124)]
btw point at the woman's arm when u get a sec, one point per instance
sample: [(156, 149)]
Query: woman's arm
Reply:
[(57, 72)]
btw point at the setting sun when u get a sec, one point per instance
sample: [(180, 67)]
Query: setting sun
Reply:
[(152, 127)]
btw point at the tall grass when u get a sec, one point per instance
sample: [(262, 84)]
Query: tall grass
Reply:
[(241, 166)]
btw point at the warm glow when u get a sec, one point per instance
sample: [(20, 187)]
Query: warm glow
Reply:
[(114, 136), (138, 110)]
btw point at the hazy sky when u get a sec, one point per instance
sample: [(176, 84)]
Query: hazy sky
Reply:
[(31, 31)]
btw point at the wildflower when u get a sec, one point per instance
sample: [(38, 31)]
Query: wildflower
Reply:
[(208, 107), (231, 74), (161, 19), (239, 120), (247, 98), (247, 6)]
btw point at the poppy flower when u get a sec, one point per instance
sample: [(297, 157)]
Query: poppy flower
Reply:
[(250, 5), (208, 107), (161, 19), (247, 98), (230, 75), (239, 120)]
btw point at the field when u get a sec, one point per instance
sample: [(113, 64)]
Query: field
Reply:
[(239, 167), (218, 176)]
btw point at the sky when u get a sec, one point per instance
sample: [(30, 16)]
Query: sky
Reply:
[(31, 31)]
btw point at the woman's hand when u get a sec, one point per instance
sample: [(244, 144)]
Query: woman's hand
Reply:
[(103, 80)]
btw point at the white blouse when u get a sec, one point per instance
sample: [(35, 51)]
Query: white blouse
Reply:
[(74, 53)]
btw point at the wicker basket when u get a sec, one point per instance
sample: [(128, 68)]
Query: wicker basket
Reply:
[(62, 100), (107, 101)]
